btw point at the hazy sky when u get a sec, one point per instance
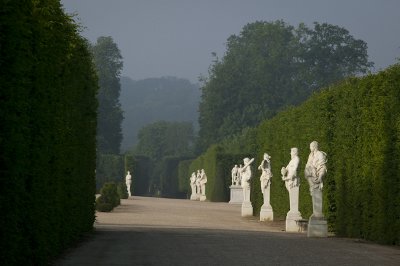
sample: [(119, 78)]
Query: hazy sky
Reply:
[(176, 37)]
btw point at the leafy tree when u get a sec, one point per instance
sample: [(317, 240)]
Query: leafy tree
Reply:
[(269, 66), (108, 61), (156, 99), (331, 54), (163, 139)]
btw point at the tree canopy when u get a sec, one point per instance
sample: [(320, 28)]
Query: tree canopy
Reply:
[(108, 61), (269, 66), (161, 139)]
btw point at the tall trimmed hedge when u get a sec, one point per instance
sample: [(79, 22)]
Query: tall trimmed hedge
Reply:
[(357, 123), (109, 168), (48, 108)]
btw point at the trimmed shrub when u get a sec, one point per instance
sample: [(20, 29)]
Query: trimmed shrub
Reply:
[(108, 195), (122, 190)]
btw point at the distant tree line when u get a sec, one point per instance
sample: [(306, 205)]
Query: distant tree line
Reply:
[(48, 106), (152, 100), (269, 66)]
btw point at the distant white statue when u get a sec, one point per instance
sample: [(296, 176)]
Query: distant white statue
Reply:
[(203, 181), (239, 175), (315, 172), (193, 186), (245, 174), (266, 212), (292, 183), (198, 185), (266, 174), (128, 182), (235, 179)]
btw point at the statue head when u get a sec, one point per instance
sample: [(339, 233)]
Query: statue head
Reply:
[(294, 151), (266, 156), (129, 173), (246, 160), (313, 146)]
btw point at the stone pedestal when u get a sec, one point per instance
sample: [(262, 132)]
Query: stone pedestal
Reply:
[(203, 198), (247, 209), (193, 197), (293, 215), (266, 212), (317, 227), (236, 195), (291, 218)]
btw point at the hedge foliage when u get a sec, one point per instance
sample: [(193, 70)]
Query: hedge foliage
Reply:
[(109, 168), (357, 123), (109, 197), (48, 108)]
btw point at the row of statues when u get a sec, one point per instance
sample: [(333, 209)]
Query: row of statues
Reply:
[(315, 171), (198, 185)]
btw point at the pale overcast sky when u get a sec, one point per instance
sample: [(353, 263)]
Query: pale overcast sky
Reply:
[(176, 37)]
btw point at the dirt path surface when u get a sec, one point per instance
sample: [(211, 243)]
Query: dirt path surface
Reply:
[(156, 231)]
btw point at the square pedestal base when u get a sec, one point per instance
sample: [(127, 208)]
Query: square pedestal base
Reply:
[(236, 195), (247, 209), (266, 214), (291, 221), (317, 228)]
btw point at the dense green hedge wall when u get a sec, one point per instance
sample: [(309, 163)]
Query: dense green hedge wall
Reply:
[(169, 181), (357, 123), (184, 177), (47, 139), (109, 168)]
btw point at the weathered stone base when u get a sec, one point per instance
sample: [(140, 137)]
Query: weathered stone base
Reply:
[(291, 224), (203, 198), (317, 227), (193, 197), (266, 213), (236, 195), (247, 209)]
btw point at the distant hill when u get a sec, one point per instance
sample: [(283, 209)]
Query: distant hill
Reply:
[(155, 99)]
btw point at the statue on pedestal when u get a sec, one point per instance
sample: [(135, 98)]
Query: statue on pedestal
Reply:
[(203, 181), (198, 185), (128, 182), (266, 213), (292, 183), (193, 186), (245, 174), (315, 172)]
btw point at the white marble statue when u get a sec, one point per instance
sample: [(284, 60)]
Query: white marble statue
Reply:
[(245, 174), (239, 175), (292, 183), (266, 213), (193, 186), (235, 178), (315, 172), (203, 181), (266, 174), (198, 185), (128, 182)]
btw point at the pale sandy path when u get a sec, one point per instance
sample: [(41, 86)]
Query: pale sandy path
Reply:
[(177, 213), (155, 231)]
